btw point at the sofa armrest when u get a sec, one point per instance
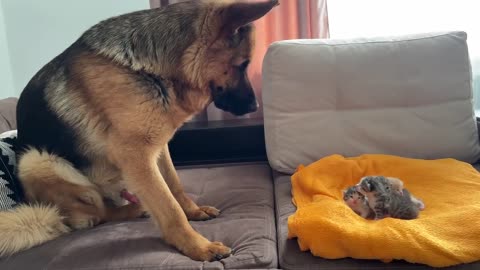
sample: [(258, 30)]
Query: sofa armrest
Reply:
[(478, 127), (8, 119)]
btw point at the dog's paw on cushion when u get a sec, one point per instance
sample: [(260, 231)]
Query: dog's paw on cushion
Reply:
[(203, 213), (10, 189)]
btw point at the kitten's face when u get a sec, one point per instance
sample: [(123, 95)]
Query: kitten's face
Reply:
[(367, 184), (397, 184), (379, 184), (352, 198)]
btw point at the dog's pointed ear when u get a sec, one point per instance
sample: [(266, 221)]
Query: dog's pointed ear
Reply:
[(238, 14)]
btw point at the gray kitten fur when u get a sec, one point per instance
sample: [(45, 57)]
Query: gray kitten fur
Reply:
[(385, 202)]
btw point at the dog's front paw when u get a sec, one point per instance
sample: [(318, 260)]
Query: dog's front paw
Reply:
[(203, 213), (82, 222), (213, 251), (139, 212), (144, 214)]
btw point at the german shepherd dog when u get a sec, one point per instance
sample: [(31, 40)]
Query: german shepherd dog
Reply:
[(97, 119)]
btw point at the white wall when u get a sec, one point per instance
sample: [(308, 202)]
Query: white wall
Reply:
[(37, 30), (6, 77)]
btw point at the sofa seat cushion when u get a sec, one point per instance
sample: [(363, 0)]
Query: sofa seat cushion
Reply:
[(291, 258), (244, 194)]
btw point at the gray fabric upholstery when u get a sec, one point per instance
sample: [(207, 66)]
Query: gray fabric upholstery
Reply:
[(244, 194), (8, 108), (291, 258)]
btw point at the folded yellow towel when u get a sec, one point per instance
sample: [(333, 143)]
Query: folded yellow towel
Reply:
[(446, 233)]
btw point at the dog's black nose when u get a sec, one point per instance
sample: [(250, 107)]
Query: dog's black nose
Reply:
[(253, 107)]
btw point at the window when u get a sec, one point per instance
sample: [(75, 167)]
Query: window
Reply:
[(394, 17)]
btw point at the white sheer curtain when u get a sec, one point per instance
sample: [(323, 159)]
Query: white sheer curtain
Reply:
[(349, 18)]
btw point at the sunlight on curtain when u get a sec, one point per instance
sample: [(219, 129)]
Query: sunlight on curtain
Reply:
[(395, 17)]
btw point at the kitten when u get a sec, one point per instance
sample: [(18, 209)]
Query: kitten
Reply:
[(357, 202), (390, 183), (387, 200), (396, 184)]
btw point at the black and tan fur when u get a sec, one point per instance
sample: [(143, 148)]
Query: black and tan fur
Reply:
[(98, 117)]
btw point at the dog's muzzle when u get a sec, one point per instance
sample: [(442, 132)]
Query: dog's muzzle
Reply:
[(238, 101)]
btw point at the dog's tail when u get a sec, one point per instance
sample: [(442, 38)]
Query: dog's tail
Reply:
[(27, 226)]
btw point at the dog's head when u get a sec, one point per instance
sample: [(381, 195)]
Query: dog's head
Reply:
[(219, 59)]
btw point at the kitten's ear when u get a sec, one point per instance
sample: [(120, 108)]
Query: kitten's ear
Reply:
[(421, 205), (239, 13)]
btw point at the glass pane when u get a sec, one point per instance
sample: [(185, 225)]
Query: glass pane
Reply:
[(396, 17)]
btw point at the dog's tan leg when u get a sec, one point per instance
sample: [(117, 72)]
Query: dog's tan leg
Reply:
[(191, 209), (138, 164)]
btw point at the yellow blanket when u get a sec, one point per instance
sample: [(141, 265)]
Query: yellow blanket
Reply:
[(446, 233)]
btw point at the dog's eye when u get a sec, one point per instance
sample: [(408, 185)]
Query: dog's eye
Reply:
[(219, 89), (235, 40), (244, 65), (242, 30), (239, 35)]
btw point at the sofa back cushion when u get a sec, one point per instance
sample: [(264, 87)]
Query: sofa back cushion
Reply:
[(408, 95)]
